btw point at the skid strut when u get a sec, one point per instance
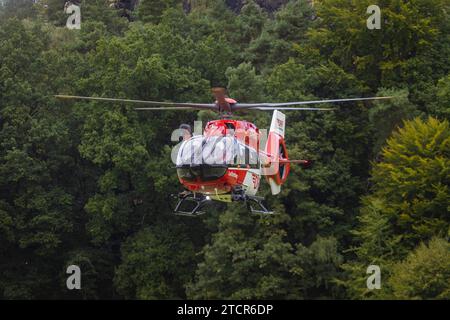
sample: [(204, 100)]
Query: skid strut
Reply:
[(239, 195), (252, 200), (198, 201)]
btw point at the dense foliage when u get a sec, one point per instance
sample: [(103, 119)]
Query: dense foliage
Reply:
[(88, 183)]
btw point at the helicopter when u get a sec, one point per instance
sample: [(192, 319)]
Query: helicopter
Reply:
[(227, 162)]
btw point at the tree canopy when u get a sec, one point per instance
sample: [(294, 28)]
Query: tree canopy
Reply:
[(87, 183)]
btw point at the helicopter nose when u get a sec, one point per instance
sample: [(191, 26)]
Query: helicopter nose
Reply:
[(201, 172), (196, 170)]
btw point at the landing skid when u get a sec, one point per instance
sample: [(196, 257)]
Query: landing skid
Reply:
[(199, 201), (258, 201), (187, 197)]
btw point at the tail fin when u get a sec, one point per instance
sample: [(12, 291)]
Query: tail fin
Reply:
[(278, 124), (275, 149)]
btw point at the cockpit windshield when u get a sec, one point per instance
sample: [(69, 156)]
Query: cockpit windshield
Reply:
[(215, 150)]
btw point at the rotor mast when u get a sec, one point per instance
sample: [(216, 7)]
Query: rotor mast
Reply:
[(223, 102)]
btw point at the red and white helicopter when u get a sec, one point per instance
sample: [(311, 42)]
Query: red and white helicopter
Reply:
[(227, 161)]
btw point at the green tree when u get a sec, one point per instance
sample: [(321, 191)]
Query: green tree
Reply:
[(152, 11), (249, 258), (327, 188), (443, 97), (37, 204), (21, 9), (393, 55), (424, 274), (376, 246), (413, 179), (156, 263), (408, 203), (386, 115), (244, 76), (250, 22), (277, 39)]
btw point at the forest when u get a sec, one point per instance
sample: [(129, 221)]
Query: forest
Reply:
[(88, 183)]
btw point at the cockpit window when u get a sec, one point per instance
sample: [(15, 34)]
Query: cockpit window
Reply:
[(215, 150)]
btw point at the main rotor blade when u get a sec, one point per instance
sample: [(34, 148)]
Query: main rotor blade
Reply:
[(240, 106), (188, 105), (292, 108), (165, 108)]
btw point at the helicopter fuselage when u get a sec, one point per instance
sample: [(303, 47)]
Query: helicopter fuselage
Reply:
[(227, 160)]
